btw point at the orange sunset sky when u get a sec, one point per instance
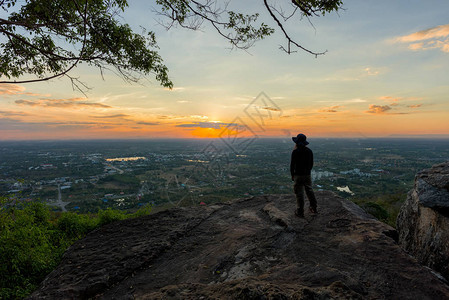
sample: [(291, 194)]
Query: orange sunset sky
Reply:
[(386, 73)]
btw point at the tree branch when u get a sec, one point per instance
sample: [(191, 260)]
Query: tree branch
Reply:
[(290, 41), (43, 79), (77, 60)]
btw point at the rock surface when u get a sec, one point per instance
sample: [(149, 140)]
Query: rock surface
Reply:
[(252, 248), (423, 222)]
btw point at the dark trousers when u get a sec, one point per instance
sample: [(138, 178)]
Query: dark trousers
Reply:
[(303, 182)]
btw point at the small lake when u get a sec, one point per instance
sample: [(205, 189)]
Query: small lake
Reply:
[(125, 158)]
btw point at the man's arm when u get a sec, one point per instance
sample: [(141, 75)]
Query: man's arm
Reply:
[(311, 159)]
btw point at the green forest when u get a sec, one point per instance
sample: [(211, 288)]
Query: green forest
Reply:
[(33, 239)]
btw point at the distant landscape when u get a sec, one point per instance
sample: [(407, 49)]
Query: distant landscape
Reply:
[(86, 176), (139, 117)]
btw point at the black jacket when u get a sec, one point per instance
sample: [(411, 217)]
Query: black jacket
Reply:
[(302, 161)]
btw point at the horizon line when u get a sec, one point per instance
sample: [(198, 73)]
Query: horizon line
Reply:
[(394, 136)]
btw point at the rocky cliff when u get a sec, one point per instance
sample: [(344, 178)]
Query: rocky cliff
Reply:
[(423, 222), (252, 248)]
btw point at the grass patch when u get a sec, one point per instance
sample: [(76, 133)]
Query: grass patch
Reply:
[(384, 207)]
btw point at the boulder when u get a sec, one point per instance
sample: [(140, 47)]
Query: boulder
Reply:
[(423, 221), (252, 248)]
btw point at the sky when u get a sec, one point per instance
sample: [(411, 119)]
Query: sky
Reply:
[(385, 73)]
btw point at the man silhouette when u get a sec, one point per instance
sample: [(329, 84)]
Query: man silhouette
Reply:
[(300, 168)]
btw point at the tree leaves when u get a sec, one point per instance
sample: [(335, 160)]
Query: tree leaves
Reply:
[(47, 38)]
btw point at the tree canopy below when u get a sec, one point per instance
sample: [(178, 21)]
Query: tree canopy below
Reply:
[(48, 38)]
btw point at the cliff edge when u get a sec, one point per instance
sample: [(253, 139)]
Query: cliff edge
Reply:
[(423, 222), (253, 248)]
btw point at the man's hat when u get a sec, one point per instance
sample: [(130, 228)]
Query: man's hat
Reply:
[(300, 139)]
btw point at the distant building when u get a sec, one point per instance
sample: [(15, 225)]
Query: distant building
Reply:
[(321, 174), (357, 172), (47, 166)]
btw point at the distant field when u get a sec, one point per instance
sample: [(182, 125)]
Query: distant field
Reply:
[(165, 173)]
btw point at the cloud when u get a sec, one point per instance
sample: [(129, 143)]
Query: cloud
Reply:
[(11, 89), (10, 124), (378, 109), (26, 102), (148, 123), (355, 101), (15, 89), (214, 125), (382, 110), (431, 33), (415, 105), (416, 46), (394, 101), (183, 101), (111, 116), (332, 109), (399, 101), (390, 99), (371, 72), (13, 113), (271, 108), (200, 117), (62, 103), (14, 124), (170, 117), (431, 38)]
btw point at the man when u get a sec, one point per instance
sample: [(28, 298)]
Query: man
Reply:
[(300, 168)]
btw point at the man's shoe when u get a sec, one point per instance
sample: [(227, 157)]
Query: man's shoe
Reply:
[(299, 213), (313, 210)]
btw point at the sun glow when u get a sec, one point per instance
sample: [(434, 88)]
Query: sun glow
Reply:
[(206, 132)]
